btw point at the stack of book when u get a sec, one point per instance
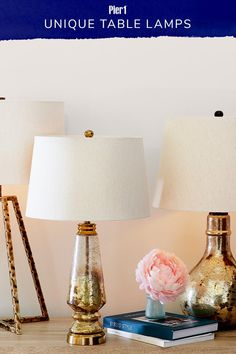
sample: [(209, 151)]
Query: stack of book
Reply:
[(172, 330)]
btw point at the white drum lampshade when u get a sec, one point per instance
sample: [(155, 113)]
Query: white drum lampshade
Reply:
[(99, 178)]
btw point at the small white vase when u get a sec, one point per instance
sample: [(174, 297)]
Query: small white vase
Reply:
[(154, 309)]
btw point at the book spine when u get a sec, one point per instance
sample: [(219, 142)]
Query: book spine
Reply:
[(161, 342), (138, 328), (138, 337)]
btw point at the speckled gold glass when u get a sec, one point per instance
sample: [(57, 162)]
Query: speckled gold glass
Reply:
[(211, 292), (86, 292)]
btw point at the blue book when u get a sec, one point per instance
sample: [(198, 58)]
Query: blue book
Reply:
[(173, 326)]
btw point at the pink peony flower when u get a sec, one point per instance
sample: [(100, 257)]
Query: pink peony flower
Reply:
[(162, 275)]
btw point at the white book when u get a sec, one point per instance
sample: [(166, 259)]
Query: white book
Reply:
[(159, 341)]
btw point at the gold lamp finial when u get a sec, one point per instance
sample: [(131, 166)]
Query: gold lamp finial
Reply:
[(88, 133)]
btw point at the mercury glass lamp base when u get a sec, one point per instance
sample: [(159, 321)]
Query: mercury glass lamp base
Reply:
[(86, 291), (83, 339), (211, 292)]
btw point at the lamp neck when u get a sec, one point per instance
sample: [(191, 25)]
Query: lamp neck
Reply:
[(218, 224), (87, 229), (218, 234)]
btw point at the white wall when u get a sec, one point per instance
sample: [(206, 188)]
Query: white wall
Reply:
[(116, 87)]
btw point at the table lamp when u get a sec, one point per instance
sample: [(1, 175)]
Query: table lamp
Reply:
[(87, 178), (20, 121), (198, 173)]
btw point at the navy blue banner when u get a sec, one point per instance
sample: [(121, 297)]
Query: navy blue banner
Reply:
[(70, 19)]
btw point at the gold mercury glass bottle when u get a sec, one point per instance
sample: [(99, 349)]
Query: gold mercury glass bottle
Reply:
[(211, 292)]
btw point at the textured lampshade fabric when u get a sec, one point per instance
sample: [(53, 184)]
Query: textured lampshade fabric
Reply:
[(198, 166), (20, 121), (78, 178)]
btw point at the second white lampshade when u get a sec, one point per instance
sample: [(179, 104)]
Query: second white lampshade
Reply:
[(198, 166), (20, 121), (79, 178)]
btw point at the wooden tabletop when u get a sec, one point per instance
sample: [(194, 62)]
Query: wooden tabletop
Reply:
[(50, 337)]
